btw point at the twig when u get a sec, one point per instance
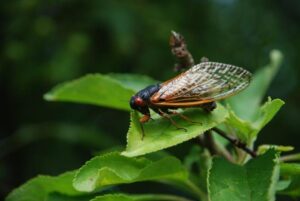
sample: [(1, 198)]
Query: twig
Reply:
[(235, 142), (210, 143), (290, 157), (179, 50)]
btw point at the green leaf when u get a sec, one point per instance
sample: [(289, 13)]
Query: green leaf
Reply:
[(291, 171), (266, 113), (113, 169), (255, 181), (282, 185), (280, 148), (161, 134), (113, 90), (134, 82), (62, 197), (247, 118), (41, 187), (122, 197), (198, 162), (248, 130), (242, 129), (247, 103), (94, 89)]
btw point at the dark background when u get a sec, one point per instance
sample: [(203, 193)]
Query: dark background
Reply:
[(44, 43)]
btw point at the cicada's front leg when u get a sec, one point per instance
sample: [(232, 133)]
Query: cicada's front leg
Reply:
[(145, 118)]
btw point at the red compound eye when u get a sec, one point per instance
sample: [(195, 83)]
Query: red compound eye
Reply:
[(138, 101)]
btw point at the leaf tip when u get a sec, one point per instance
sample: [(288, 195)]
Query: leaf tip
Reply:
[(276, 56), (49, 97), (126, 153), (85, 184)]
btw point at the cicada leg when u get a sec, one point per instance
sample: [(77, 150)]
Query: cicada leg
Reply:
[(165, 115), (143, 120), (182, 116)]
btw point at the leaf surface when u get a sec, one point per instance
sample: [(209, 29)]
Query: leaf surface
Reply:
[(94, 89), (291, 172), (134, 82), (113, 168), (248, 130), (148, 197), (160, 133), (254, 181), (113, 90), (41, 187)]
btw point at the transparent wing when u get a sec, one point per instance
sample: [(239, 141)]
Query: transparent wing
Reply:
[(205, 81)]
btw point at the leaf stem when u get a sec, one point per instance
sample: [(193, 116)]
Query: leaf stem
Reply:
[(235, 142), (187, 186), (202, 195), (207, 140), (290, 157)]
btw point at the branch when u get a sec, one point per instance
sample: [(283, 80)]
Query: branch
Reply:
[(290, 157), (179, 50), (209, 142), (235, 142)]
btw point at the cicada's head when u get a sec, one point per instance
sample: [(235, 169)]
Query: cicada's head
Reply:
[(139, 104)]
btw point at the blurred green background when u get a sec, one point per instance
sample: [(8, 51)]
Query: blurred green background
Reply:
[(48, 42)]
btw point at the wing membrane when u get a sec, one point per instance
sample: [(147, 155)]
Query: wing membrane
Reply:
[(207, 81)]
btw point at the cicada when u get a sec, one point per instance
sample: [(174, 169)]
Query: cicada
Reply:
[(200, 86)]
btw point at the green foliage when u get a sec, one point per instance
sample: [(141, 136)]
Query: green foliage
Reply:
[(248, 130), (114, 169), (112, 90), (121, 197), (133, 81), (254, 181), (265, 147), (246, 105), (41, 187), (214, 178), (161, 134), (247, 116), (44, 46), (93, 89), (291, 173)]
